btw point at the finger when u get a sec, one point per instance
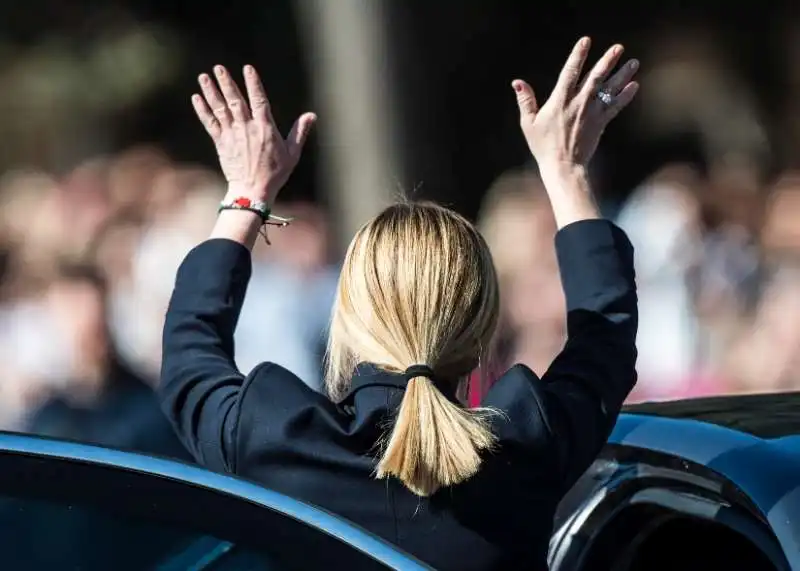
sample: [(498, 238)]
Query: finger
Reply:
[(568, 78), (259, 104), (622, 78), (623, 99), (526, 99), (215, 100), (233, 97), (299, 133), (601, 70), (206, 116)]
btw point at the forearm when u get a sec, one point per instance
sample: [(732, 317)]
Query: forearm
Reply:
[(570, 193), (199, 381), (241, 226)]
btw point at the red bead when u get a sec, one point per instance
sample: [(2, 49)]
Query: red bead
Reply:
[(243, 202)]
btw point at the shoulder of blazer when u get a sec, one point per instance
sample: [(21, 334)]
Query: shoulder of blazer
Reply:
[(517, 396), (272, 402)]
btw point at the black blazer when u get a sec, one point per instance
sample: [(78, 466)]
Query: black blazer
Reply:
[(271, 428)]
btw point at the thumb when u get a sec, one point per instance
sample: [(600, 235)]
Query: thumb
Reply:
[(299, 133), (525, 99)]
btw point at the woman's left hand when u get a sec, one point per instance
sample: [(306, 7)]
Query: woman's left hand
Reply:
[(567, 128), (255, 158)]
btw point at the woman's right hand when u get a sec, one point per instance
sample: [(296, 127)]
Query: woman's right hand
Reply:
[(565, 131), (253, 155)]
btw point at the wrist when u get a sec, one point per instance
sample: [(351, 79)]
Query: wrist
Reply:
[(570, 193), (562, 171), (254, 193), (240, 226)]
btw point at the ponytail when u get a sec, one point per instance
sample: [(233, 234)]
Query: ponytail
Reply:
[(418, 285), (434, 442)]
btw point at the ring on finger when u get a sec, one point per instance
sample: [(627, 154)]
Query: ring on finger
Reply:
[(605, 97)]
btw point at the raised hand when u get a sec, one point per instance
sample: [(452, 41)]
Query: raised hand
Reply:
[(567, 128), (255, 158)]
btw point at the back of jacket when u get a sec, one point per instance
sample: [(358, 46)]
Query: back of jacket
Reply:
[(271, 428)]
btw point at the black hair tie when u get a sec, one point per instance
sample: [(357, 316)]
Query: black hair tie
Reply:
[(419, 371), (442, 386)]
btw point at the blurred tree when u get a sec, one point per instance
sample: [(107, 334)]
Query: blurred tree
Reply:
[(56, 92)]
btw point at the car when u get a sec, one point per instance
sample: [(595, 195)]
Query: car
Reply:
[(72, 506), (710, 483)]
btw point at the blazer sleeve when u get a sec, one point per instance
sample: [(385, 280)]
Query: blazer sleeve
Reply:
[(572, 410), (200, 384)]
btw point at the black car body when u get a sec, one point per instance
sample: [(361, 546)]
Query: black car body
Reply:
[(711, 484), (696, 484)]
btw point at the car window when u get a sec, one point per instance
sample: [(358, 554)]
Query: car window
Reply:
[(41, 535), (62, 512), (210, 554)]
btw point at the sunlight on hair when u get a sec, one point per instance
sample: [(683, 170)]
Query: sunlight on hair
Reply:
[(418, 286)]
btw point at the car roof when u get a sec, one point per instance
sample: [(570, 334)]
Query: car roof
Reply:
[(763, 415)]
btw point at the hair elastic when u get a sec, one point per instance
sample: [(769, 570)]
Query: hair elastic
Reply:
[(419, 371), (415, 371)]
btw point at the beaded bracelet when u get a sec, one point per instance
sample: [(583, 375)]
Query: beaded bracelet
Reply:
[(257, 207)]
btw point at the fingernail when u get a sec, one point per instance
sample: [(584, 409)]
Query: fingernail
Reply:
[(517, 86), (219, 70), (634, 64), (584, 42), (204, 78), (248, 69)]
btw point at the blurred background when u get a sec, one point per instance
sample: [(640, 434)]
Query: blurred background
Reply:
[(108, 180)]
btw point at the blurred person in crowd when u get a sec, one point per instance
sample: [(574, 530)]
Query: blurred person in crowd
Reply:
[(727, 275), (100, 400), (517, 221), (131, 178), (662, 219), (416, 309), (780, 236), (296, 270), (33, 226), (698, 268), (31, 230), (113, 248), (765, 353), (85, 203), (171, 222)]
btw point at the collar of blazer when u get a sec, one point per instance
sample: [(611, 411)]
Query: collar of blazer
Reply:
[(370, 375)]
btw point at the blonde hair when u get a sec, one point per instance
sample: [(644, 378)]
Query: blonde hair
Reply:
[(418, 287)]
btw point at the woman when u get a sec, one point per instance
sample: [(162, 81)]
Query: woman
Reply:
[(416, 309)]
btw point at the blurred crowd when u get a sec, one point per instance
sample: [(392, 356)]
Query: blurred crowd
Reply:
[(89, 261), (718, 271)]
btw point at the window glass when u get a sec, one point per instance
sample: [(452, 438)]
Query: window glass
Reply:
[(72, 515), (42, 536)]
